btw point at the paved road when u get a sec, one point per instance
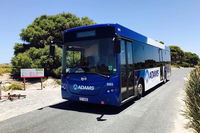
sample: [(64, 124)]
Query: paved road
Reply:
[(154, 113)]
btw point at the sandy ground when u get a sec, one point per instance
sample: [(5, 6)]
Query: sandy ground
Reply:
[(35, 98)]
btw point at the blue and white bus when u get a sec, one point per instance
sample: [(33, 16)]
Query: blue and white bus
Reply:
[(111, 64)]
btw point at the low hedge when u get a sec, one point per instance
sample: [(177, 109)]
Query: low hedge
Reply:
[(14, 86), (192, 100)]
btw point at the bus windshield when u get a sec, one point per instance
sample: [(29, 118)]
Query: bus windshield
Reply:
[(90, 56)]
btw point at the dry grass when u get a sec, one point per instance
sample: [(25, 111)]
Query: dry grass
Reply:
[(13, 86), (5, 68), (175, 66)]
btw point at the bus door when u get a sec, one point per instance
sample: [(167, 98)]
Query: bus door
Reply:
[(126, 69), (161, 64)]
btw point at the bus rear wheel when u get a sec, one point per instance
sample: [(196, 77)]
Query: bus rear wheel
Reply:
[(139, 90), (165, 78)]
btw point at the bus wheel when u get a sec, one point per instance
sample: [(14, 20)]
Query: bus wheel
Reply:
[(165, 78), (139, 90)]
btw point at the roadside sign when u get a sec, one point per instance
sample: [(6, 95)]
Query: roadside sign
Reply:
[(32, 73)]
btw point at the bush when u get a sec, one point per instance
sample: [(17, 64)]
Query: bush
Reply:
[(185, 64), (58, 81), (14, 86), (22, 60), (38, 58), (192, 99), (5, 68)]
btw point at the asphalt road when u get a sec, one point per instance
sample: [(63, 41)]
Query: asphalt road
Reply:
[(154, 113)]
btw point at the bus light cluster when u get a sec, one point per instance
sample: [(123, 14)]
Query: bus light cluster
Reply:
[(111, 90)]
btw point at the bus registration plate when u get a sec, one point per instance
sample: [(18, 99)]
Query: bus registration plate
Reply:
[(83, 99)]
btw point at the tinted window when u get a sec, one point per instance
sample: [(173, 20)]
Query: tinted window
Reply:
[(151, 56), (130, 52), (166, 56), (122, 53), (138, 55), (91, 56)]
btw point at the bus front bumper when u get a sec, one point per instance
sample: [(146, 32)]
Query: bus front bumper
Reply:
[(102, 98)]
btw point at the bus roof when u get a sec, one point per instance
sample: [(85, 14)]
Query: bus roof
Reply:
[(125, 32)]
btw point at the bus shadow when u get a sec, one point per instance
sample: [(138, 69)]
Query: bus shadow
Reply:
[(96, 108), (92, 108)]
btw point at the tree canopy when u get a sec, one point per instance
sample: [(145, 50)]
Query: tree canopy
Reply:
[(47, 28), (34, 53), (181, 58)]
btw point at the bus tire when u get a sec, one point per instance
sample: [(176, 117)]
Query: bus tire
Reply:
[(139, 90), (165, 78)]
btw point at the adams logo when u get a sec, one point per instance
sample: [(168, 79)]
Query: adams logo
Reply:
[(151, 74), (83, 87)]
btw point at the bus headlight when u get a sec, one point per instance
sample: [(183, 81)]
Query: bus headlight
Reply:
[(111, 90), (64, 86)]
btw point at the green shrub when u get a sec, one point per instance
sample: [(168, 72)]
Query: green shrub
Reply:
[(185, 64), (192, 99), (175, 66), (38, 58), (14, 86), (22, 60), (58, 81), (57, 71)]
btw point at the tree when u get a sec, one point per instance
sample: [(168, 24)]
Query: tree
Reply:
[(162, 42), (191, 58), (177, 55), (181, 58), (45, 28), (38, 35)]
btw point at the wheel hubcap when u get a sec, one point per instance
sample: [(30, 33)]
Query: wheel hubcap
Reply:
[(140, 89)]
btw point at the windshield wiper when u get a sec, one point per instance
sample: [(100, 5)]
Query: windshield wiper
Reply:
[(105, 76)]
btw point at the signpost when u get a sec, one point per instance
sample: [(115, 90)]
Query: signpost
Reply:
[(32, 73)]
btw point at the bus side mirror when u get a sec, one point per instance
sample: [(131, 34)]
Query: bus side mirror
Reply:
[(52, 50), (117, 46)]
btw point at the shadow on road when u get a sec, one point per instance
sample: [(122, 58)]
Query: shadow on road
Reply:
[(97, 109), (91, 108)]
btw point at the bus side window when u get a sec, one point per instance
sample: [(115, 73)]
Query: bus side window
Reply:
[(138, 55)]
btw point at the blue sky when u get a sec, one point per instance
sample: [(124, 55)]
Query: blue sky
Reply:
[(175, 22)]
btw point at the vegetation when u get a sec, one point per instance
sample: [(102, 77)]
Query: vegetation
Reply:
[(192, 99), (184, 59), (34, 53), (5, 68), (58, 81), (13, 86)]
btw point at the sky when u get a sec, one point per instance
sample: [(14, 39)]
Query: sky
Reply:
[(175, 22)]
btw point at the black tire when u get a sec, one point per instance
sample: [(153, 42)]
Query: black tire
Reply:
[(165, 78), (139, 90)]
